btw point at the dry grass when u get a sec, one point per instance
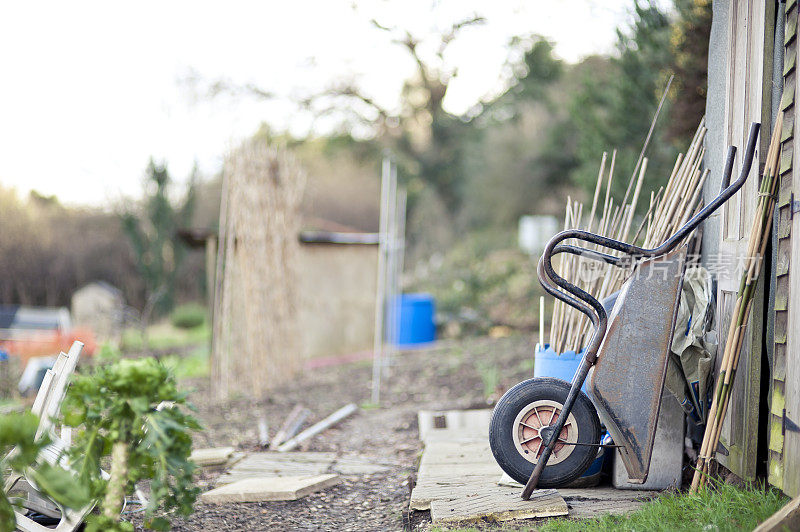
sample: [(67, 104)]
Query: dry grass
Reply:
[(254, 333)]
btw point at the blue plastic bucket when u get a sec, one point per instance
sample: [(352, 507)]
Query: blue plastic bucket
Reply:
[(548, 363), (415, 324)]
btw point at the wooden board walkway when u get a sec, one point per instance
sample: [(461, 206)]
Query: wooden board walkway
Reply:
[(289, 464), (460, 482)]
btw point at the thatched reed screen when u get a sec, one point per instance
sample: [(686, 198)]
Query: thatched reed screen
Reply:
[(255, 337)]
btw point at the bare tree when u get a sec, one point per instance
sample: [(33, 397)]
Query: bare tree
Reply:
[(423, 134)]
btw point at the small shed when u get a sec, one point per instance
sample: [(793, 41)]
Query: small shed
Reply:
[(337, 275), (99, 307), (751, 77)]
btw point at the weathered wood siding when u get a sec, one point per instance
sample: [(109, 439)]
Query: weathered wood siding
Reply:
[(784, 443)]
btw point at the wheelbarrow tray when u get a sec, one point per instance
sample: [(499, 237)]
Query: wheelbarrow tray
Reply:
[(627, 379)]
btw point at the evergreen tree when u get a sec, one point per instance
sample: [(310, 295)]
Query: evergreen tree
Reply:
[(613, 109), (153, 235), (691, 33)]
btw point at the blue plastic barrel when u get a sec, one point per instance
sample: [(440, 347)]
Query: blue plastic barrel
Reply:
[(562, 366), (414, 319)]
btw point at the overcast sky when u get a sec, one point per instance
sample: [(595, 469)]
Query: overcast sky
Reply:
[(91, 90)]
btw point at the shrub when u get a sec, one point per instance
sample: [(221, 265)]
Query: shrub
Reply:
[(117, 411), (188, 316), (17, 432)]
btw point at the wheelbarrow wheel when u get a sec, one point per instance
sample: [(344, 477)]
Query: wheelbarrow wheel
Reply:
[(515, 432)]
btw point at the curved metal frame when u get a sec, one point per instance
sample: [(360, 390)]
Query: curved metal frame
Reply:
[(586, 303)]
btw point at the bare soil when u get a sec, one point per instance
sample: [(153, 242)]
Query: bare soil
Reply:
[(453, 375)]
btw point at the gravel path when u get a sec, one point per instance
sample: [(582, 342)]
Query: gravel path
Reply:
[(466, 374)]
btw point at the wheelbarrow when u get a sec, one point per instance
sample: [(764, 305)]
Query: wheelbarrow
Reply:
[(545, 432)]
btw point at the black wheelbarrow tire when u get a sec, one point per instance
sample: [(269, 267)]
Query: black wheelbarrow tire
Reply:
[(530, 401)]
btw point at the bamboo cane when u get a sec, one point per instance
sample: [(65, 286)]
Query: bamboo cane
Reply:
[(674, 203), (759, 236)]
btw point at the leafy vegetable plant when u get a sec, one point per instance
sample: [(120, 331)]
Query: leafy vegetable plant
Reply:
[(19, 452), (117, 411)]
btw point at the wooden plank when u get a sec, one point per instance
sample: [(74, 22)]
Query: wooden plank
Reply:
[(787, 130), (291, 426), (456, 453), (791, 442), (312, 431), (590, 503), (788, 65), (739, 434), (779, 366), (430, 489), (783, 231), (270, 489), (474, 422), (781, 318), (453, 436), (786, 159), (791, 29), (787, 518), (497, 504), (782, 293), (351, 466), (263, 432), (784, 191), (309, 457), (776, 433), (775, 469), (788, 95), (485, 469), (274, 464), (211, 456)]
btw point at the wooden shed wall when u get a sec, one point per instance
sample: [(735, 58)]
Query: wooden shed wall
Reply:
[(784, 441)]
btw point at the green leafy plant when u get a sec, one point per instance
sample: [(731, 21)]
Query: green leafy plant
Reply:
[(19, 451), (188, 316), (116, 409)]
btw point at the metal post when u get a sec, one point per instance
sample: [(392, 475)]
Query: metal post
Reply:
[(390, 320), (377, 346)]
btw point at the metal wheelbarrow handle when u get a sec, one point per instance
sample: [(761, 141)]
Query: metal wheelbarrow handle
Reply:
[(577, 298)]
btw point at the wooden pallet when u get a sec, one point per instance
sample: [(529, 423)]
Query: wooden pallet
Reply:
[(497, 503), (460, 482)]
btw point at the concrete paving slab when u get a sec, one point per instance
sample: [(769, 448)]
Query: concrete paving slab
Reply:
[(275, 464), (260, 489)]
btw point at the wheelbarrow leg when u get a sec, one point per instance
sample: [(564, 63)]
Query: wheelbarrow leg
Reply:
[(551, 436)]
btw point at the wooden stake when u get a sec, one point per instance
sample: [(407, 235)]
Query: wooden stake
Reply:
[(312, 431)]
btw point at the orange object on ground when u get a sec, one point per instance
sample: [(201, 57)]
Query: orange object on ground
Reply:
[(47, 343)]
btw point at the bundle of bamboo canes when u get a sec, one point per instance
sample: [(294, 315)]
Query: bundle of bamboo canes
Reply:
[(670, 207), (568, 325), (759, 236), (254, 343)]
